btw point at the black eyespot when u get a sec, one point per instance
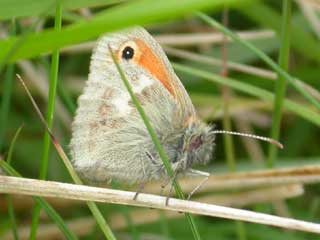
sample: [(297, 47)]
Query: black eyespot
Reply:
[(127, 53)]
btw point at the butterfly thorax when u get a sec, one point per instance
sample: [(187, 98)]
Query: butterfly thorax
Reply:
[(193, 146)]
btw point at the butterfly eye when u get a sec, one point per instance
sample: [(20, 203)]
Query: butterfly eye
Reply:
[(196, 142), (127, 53)]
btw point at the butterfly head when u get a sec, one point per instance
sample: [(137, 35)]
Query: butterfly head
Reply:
[(197, 144)]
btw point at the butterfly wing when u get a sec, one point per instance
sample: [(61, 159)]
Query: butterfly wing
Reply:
[(154, 61), (109, 139)]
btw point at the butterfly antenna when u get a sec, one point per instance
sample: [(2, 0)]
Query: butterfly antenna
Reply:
[(266, 139)]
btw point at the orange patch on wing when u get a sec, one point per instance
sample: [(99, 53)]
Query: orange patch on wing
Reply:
[(150, 62)]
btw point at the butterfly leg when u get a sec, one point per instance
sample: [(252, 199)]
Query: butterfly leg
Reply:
[(160, 168), (171, 186), (199, 173), (139, 190), (141, 185), (164, 185)]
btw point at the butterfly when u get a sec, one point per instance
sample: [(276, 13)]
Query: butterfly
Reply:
[(109, 139)]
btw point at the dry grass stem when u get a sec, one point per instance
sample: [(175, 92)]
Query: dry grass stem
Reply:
[(83, 226), (250, 197), (185, 39), (188, 39), (311, 15), (240, 199), (41, 188), (244, 180), (246, 109), (260, 72), (313, 3)]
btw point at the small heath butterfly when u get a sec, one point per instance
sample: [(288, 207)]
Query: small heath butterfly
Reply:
[(109, 139)]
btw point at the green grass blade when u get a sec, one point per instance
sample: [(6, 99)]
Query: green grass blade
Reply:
[(302, 39), (4, 114), (5, 102), (157, 144), (55, 217), (63, 94), (66, 99), (10, 207), (28, 8), (52, 94), (18, 43), (101, 221), (49, 118), (6, 96), (298, 109), (12, 216), (13, 142), (263, 57), (241, 230), (125, 212), (280, 86), (226, 120), (140, 12)]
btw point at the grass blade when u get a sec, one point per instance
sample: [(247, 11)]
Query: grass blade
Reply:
[(6, 96), (5, 103), (298, 109), (52, 94), (157, 144), (4, 114), (8, 197), (226, 120), (302, 39), (66, 99), (263, 57), (140, 12), (28, 8), (49, 118), (280, 87)]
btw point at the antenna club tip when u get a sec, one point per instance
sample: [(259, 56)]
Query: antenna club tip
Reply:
[(278, 144)]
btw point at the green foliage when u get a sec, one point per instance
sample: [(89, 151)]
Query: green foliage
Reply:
[(29, 8), (135, 12), (280, 86)]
